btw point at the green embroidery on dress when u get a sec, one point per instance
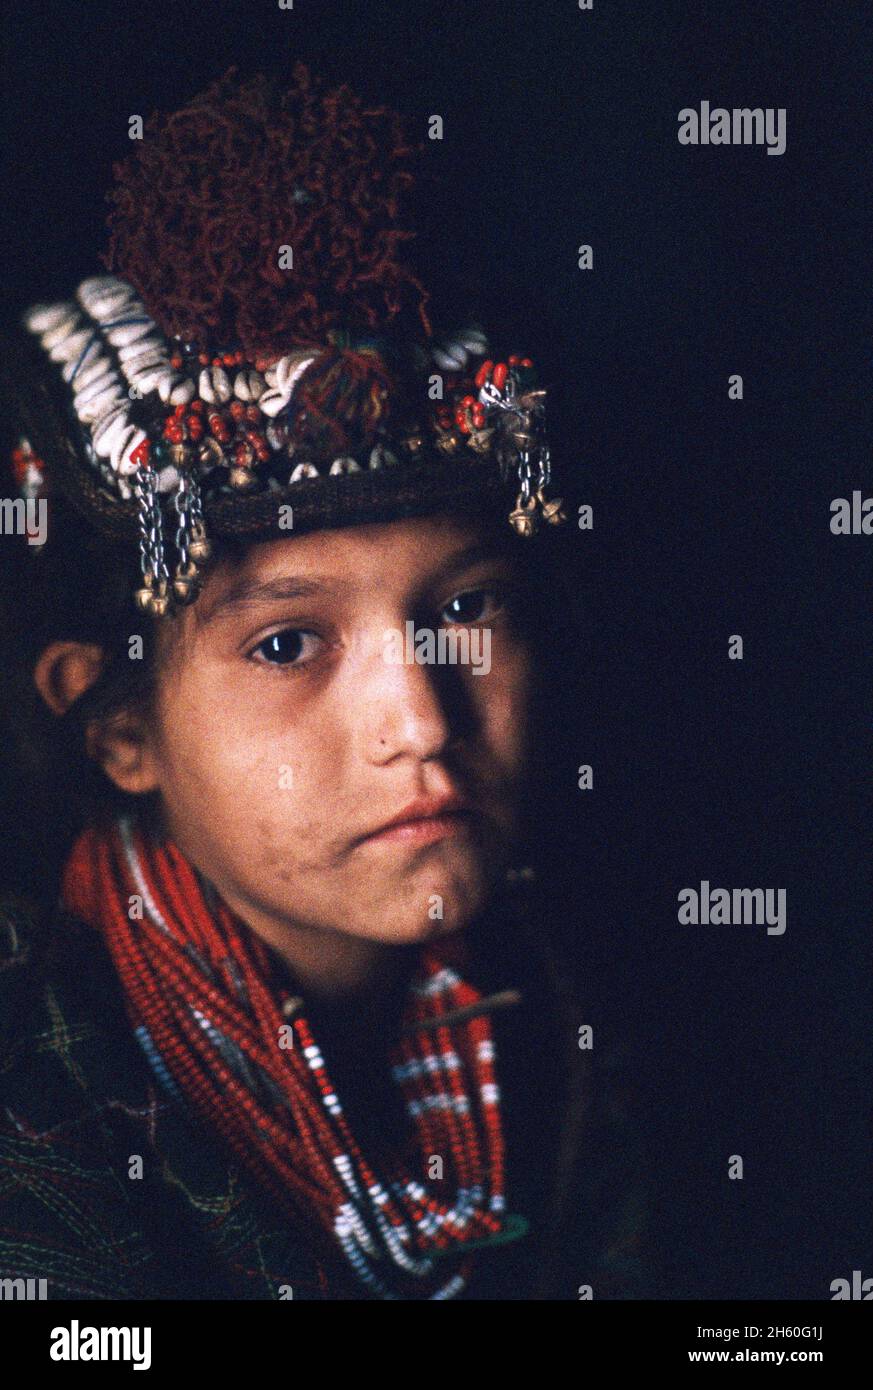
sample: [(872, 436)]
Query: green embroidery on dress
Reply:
[(515, 1227)]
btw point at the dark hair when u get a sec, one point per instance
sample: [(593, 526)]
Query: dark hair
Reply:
[(77, 587)]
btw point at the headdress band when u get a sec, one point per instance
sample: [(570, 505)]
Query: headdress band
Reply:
[(167, 425)]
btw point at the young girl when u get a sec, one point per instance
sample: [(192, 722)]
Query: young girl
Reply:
[(286, 1023)]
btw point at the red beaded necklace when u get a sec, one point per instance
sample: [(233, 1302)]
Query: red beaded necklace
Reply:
[(220, 1034)]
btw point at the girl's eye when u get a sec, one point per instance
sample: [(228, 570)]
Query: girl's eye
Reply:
[(290, 647), (473, 606)]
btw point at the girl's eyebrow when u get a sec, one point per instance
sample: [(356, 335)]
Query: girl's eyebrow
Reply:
[(246, 593), (479, 552)]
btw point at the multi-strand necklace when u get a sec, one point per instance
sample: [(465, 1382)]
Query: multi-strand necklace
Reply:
[(218, 1033)]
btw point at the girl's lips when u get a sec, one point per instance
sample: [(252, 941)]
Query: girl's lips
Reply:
[(423, 830)]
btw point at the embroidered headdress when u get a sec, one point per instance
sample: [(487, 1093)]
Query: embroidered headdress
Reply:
[(259, 360)]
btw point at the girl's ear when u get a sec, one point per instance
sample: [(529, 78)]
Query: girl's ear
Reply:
[(119, 742), (64, 671)]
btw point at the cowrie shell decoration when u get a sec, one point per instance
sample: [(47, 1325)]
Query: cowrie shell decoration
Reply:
[(304, 470), (283, 377)]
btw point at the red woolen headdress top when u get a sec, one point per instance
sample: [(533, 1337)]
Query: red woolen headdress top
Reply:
[(259, 357)]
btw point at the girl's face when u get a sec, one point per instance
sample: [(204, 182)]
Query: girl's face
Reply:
[(285, 737)]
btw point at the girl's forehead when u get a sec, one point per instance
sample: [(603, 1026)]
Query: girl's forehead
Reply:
[(365, 560), (415, 544)]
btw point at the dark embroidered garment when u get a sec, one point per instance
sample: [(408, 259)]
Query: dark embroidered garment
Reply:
[(82, 1114)]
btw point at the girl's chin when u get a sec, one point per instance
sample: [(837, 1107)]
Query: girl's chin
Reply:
[(405, 924), (440, 917)]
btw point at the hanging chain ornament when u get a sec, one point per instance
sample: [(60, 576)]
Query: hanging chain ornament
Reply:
[(159, 591), (153, 597), (523, 439), (186, 584)]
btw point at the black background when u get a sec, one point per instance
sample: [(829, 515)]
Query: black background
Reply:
[(711, 516)]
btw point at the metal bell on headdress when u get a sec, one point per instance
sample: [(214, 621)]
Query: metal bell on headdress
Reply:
[(160, 603), (449, 442), (242, 479), (211, 453), (523, 518), (155, 601), (152, 598), (199, 547), (186, 585), (480, 441), (181, 456), (552, 510)]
